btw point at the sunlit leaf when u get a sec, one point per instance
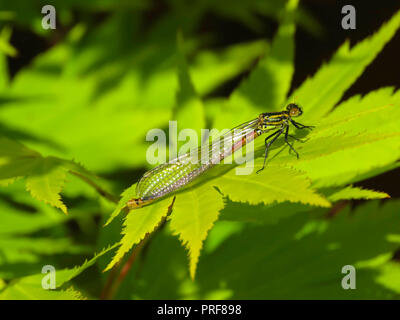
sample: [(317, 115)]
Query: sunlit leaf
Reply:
[(357, 193), (273, 184), (321, 92), (45, 176), (194, 214), (127, 195), (30, 287), (137, 224), (46, 181)]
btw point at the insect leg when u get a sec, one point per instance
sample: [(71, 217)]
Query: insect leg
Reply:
[(276, 134), (301, 126), (287, 142), (270, 136)]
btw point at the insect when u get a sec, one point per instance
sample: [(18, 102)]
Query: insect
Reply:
[(178, 172)]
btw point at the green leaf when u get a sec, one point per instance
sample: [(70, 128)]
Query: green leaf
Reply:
[(30, 287), (21, 254), (280, 62), (357, 193), (94, 95), (338, 151), (45, 176), (27, 249), (345, 157), (12, 149), (189, 112), (104, 91), (127, 195), (32, 292), (46, 181), (6, 182), (194, 214), (321, 92), (273, 184), (5, 46), (90, 178), (210, 69), (137, 225), (15, 221), (268, 84), (298, 257), (3, 72), (363, 114), (261, 213), (65, 275), (15, 159), (302, 258)]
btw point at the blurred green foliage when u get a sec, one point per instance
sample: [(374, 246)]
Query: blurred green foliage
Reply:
[(73, 124)]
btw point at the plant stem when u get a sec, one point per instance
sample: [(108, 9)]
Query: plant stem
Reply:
[(114, 281), (337, 208), (99, 189)]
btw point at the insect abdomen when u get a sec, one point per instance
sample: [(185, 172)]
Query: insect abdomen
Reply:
[(137, 203)]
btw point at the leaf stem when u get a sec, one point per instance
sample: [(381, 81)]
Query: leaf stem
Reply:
[(336, 209), (99, 189), (114, 281)]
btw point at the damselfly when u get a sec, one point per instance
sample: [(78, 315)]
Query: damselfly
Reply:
[(175, 174)]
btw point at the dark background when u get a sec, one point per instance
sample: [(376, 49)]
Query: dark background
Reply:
[(311, 50)]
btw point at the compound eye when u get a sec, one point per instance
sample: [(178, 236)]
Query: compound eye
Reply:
[(294, 111)]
